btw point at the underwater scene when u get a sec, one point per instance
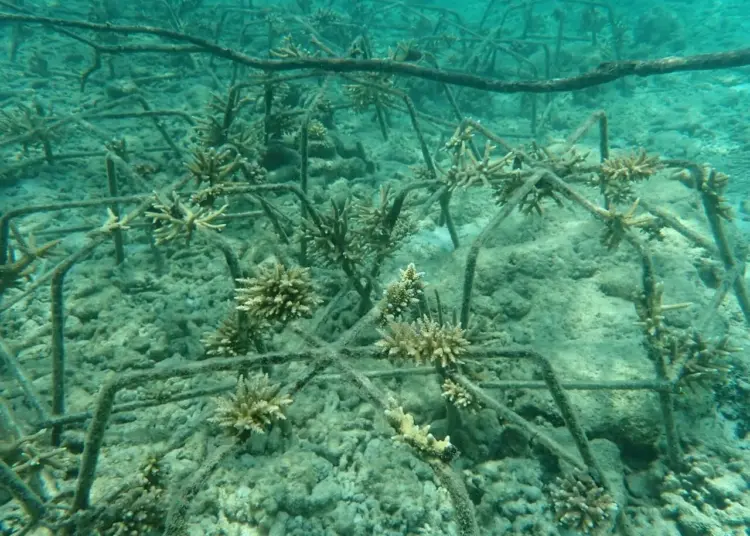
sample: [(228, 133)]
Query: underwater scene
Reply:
[(374, 267)]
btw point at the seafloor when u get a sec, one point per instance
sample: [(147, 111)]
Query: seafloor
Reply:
[(661, 392)]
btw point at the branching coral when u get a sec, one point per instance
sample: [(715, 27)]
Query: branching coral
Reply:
[(12, 273), (650, 309), (712, 188), (213, 165), (374, 232), (583, 505), (332, 242), (214, 128), (371, 91), (29, 123), (458, 395), (619, 223), (173, 219), (705, 361), (425, 341), (419, 437), (277, 294), (467, 170), (506, 174), (401, 295), (617, 176), (229, 340), (564, 164), (532, 201), (632, 168), (254, 406), (283, 122), (140, 509)]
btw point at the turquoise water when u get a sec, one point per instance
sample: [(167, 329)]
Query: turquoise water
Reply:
[(374, 268)]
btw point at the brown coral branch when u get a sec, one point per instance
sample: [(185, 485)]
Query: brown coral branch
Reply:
[(604, 73)]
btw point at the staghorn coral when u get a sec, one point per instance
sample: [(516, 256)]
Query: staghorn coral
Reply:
[(401, 295), (246, 140), (171, 219), (289, 49), (650, 309), (254, 173), (325, 18), (562, 163), (316, 130), (706, 362), (255, 405), (617, 175), (372, 90), (458, 395), (506, 174), (13, 272), (618, 224), (282, 123), (352, 235), (139, 512), (332, 242), (582, 505), (425, 341), (374, 232), (467, 170), (277, 294), (213, 165), (633, 167), (29, 123), (206, 197), (532, 201), (419, 437), (228, 340), (317, 134)]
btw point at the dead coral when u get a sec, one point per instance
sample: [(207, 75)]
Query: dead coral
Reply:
[(277, 294), (425, 341), (255, 405), (583, 505)]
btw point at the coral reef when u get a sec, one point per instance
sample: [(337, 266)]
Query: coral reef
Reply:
[(580, 345)]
